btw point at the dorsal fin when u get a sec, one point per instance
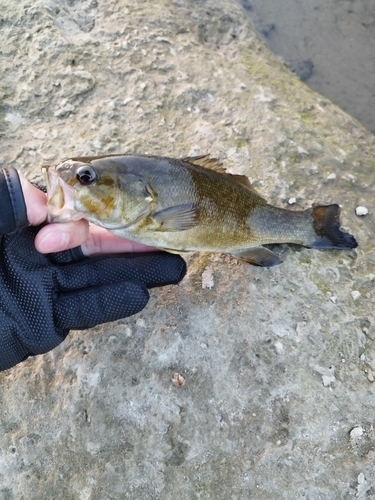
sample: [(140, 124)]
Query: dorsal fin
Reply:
[(205, 161), (214, 164), (245, 182)]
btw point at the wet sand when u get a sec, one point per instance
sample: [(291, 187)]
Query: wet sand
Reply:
[(330, 44)]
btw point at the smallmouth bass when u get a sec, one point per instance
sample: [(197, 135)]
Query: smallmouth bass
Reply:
[(185, 205)]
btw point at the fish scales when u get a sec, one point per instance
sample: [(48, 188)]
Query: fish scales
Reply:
[(222, 206), (188, 204)]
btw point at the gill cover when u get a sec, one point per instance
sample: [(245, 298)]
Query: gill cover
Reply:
[(108, 198)]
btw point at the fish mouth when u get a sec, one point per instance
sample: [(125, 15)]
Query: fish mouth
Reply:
[(60, 197)]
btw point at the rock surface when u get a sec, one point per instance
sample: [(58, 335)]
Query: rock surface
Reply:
[(278, 398)]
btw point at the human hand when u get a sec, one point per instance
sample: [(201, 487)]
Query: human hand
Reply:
[(43, 296)]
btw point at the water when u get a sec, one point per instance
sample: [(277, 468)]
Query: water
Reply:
[(330, 44)]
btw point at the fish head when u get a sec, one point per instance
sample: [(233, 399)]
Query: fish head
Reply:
[(97, 191)]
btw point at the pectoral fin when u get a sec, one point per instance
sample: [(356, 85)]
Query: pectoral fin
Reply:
[(178, 218), (258, 256)]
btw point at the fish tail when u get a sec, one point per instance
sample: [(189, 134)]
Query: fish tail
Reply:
[(326, 225)]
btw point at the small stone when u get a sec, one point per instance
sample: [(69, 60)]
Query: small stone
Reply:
[(331, 177), (333, 299), (355, 294), (361, 211), (279, 347), (178, 380), (328, 380), (208, 278), (328, 374), (363, 486), (292, 201), (356, 433)]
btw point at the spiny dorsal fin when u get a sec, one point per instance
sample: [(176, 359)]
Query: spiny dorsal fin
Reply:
[(214, 164), (205, 161)]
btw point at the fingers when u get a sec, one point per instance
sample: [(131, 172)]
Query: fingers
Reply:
[(36, 202), (94, 240), (58, 237), (100, 241), (93, 306), (153, 269)]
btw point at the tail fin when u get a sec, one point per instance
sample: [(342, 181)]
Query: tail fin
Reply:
[(326, 224)]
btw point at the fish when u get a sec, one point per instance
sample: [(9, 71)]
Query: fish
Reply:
[(189, 204)]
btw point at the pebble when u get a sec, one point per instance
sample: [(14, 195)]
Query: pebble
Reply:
[(356, 433), (355, 294), (178, 380), (331, 177), (363, 486), (208, 278), (292, 201), (361, 211)]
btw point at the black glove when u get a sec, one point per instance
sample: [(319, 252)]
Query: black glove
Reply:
[(42, 297)]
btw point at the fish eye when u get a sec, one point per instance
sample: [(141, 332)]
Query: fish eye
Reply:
[(86, 175)]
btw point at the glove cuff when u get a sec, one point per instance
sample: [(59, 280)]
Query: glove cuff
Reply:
[(13, 213)]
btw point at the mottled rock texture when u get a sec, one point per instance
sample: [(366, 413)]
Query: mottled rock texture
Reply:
[(279, 364)]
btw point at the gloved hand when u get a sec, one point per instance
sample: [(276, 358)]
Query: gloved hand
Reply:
[(43, 296)]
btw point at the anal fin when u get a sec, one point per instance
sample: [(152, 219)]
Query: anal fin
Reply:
[(258, 256)]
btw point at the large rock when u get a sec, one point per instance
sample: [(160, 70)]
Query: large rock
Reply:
[(279, 364)]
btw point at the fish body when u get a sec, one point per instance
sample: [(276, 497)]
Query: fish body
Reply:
[(185, 205)]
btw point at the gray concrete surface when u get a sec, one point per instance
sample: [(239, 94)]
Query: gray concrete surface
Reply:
[(279, 364)]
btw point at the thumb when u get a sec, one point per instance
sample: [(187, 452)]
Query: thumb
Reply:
[(92, 306), (36, 202)]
